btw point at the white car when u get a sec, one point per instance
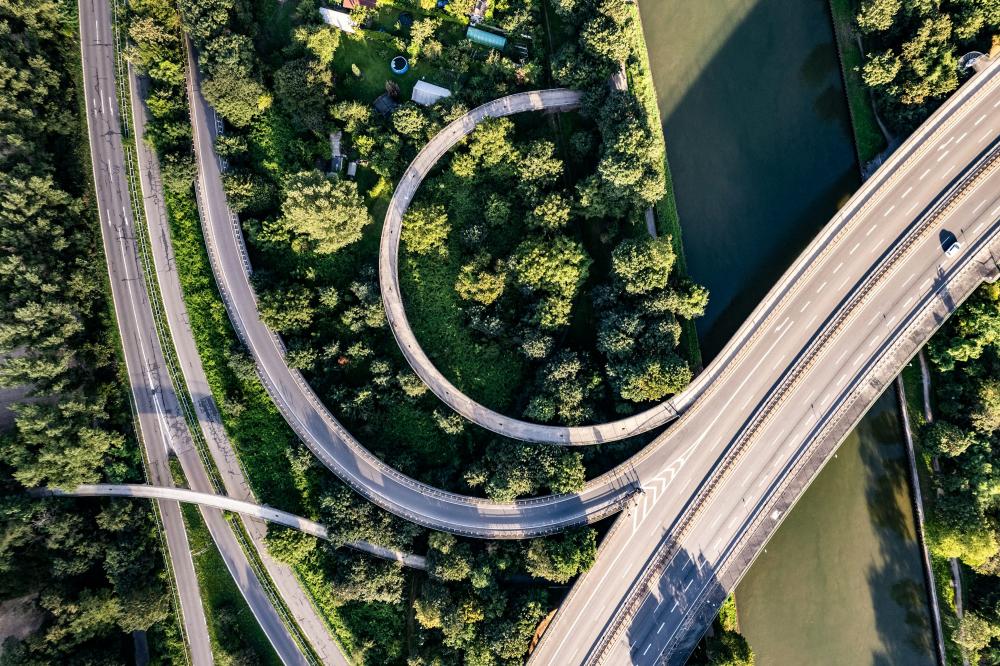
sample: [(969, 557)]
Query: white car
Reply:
[(953, 249)]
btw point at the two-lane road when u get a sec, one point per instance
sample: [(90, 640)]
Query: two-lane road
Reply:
[(129, 294), (162, 427)]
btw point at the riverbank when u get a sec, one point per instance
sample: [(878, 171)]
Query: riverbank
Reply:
[(668, 219), (868, 138)]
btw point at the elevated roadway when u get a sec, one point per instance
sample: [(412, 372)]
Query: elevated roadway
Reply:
[(753, 428), (861, 300), (258, 511)]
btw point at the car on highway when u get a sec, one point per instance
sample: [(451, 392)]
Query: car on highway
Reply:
[(953, 249)]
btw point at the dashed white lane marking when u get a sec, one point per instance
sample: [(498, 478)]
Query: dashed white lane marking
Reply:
[(995, 211), (924, 174), (715, 521), (838, 268), (647, 649), (926, 283), (986, 137), (841, 380), (944, 174), (978, 206), (981, 119), (946, 144), (674, 607), (912, 277), (841, 357), (854, 249), (908, 301), (660, 629), (961, 138), (685, 588), (891, 208), (978, 227), (874, 227), (904, 195), (943, 155), (873, 342), (815, 317), (912, 207), (808, 303), (874, 320), (821, 287)]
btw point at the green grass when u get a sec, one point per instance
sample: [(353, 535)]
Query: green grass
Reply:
[(867, 135), (487, 371), (372, 51)]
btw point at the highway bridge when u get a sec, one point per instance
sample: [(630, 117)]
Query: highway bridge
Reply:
[(753, 429), (226, 503)]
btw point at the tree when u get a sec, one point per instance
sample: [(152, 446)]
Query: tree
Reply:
[(562, 557), (355, 115), (554, 268), (974, 634), (877, 15), (513, 469), (327, 213), (944, 439), (985, 415), (565, 391), (642, 266), (729, 649), (644, 380), (425, 229), (551, 214), (448, 558), (881, 69), (301, 91), (476, 282), (420, 32)]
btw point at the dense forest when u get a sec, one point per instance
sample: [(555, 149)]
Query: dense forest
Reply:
[(80, 576), (912, 64)]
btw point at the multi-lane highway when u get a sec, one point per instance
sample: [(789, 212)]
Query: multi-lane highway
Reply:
[(861, 300), (162, 427), (138, 344)]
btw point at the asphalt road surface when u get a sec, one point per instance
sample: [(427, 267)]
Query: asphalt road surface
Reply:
[(754, 426), (869, 291), (129, 295), (161, 424)]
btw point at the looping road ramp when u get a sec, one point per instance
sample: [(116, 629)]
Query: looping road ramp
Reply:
[(555, 100)]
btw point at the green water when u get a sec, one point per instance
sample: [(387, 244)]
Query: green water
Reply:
[(758, 137), (840, 582)]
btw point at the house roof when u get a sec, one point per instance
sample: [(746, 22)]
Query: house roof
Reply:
[(351, 4), (337, 19), (426, 94), (486, 38)]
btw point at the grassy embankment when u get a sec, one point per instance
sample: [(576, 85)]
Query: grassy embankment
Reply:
[(868, 138), (668, 221), (941, 566)]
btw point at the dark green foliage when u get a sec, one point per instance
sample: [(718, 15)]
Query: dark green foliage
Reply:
[(913, 48)]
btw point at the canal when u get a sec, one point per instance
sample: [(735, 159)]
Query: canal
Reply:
[(760, 149)]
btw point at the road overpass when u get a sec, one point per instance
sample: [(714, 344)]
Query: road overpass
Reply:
[(861, 300), (258, 511)]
